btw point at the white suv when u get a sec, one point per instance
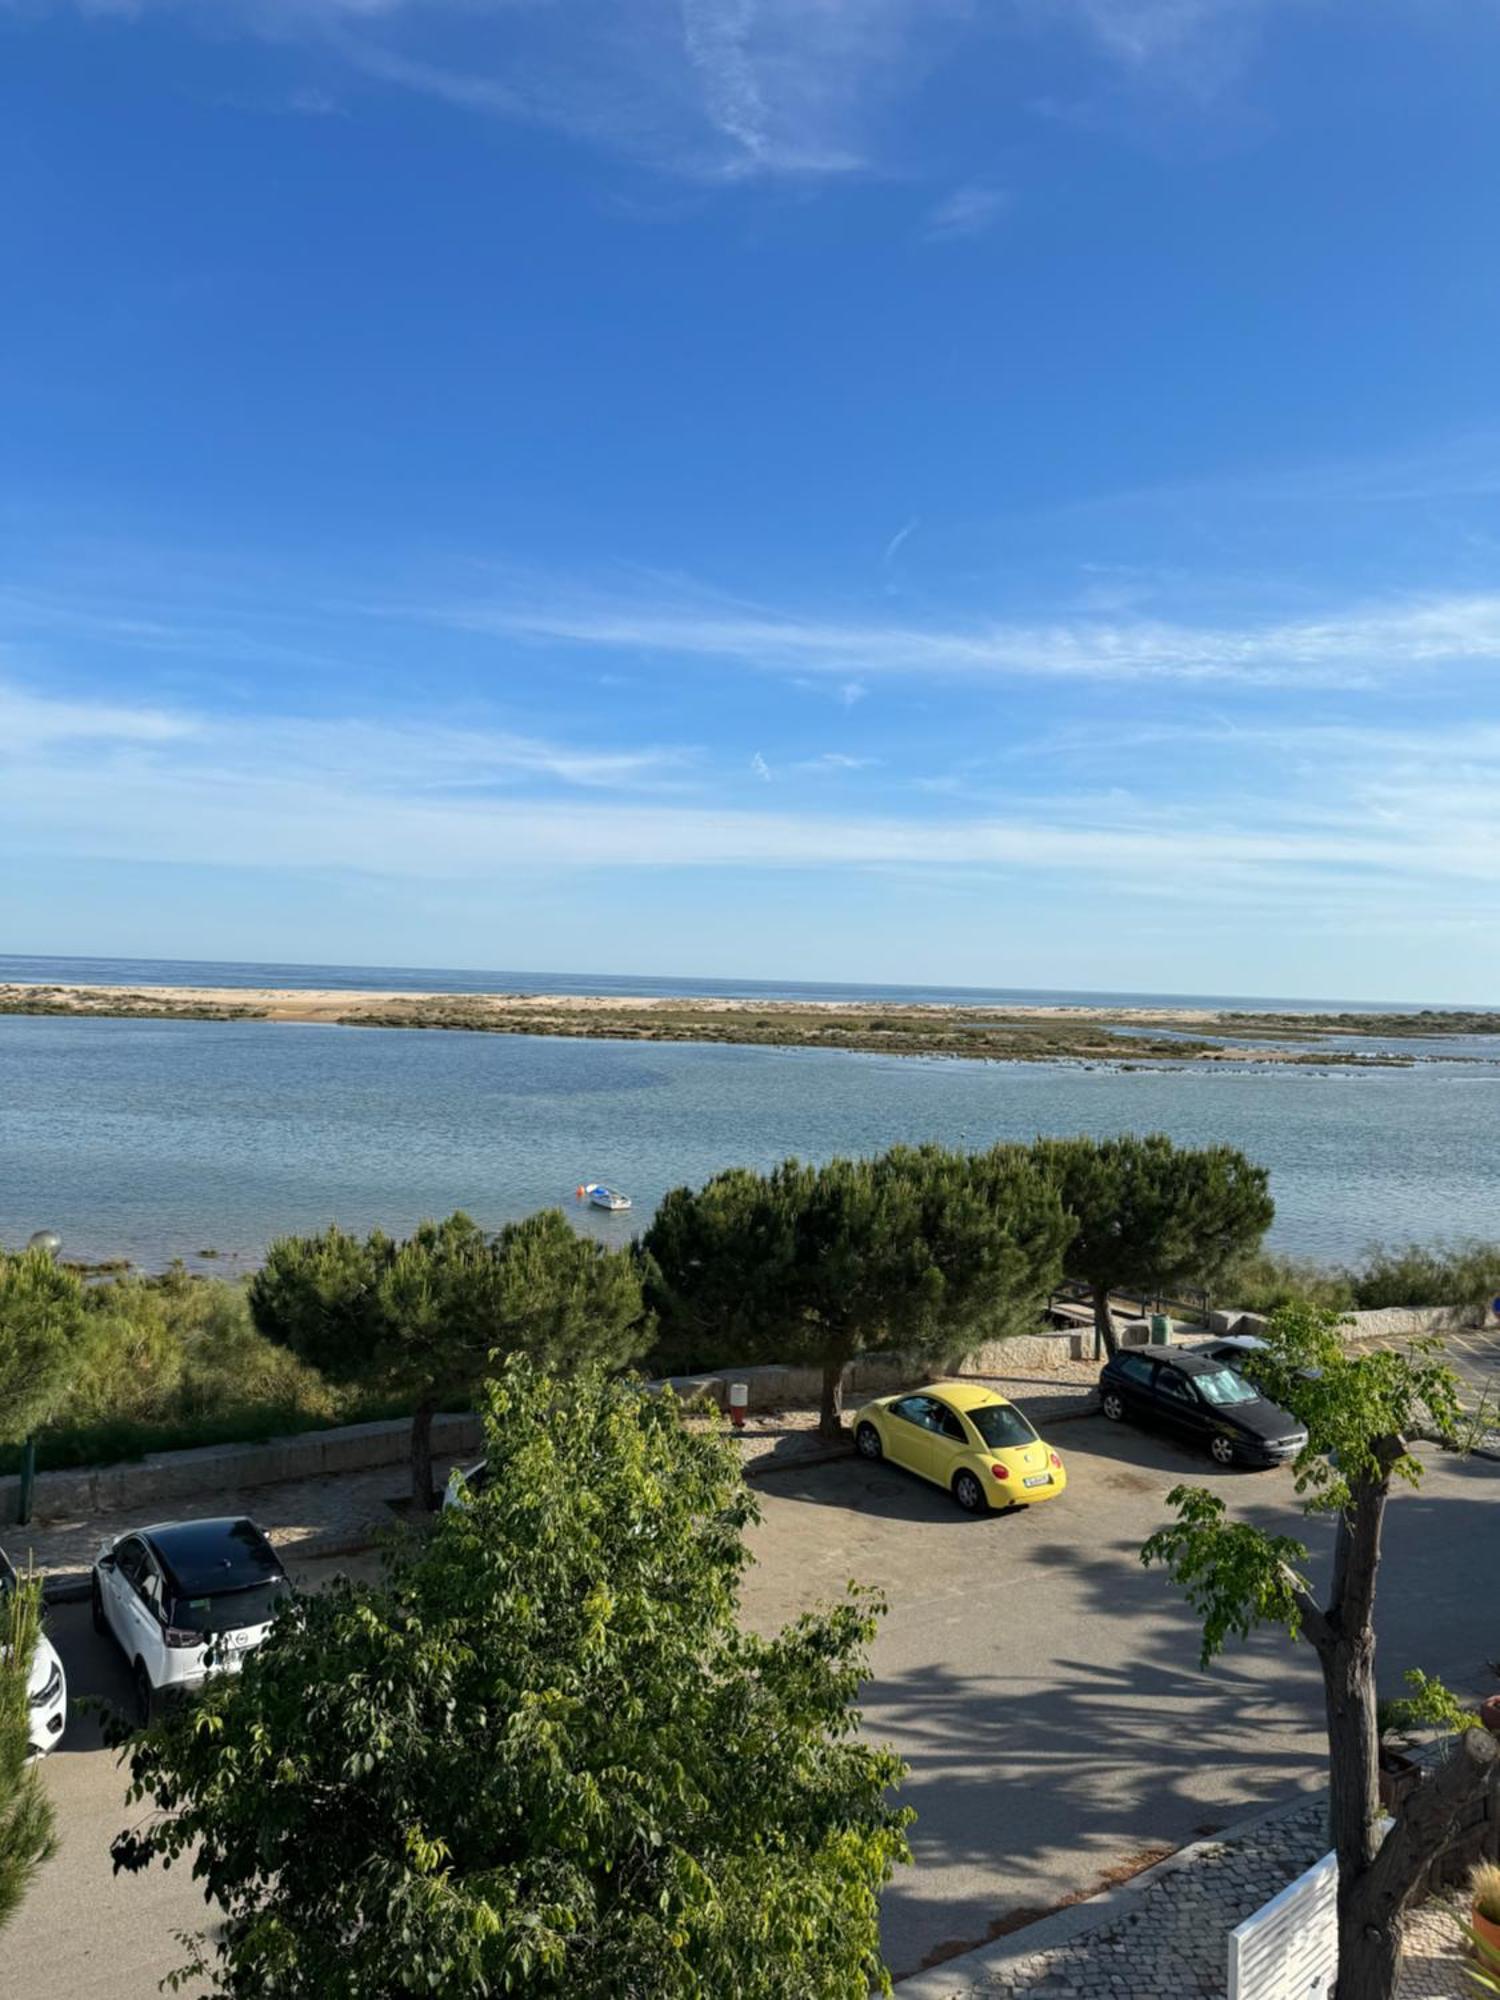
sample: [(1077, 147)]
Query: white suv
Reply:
[(185, 1599), (48, 1685)]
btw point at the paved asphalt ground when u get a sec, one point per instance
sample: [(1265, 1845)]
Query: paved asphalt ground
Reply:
[(1043, 1687), (1474, 1356)]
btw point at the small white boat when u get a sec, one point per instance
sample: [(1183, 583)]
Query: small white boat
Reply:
[(605, 1197)]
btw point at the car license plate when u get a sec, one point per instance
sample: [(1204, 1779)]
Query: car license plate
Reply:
[(1038, 1479)]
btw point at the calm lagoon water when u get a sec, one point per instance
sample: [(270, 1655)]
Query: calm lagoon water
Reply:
[(154, 1139)]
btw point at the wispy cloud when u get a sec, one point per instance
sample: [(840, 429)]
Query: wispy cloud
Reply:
[(714, 89), (1189, 45), (415, 800), (970, 210), (760, 768), (899, 541), (29, 723), (416, 758), (835, 760), (1353, 646)]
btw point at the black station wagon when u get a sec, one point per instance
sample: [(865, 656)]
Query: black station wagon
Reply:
[(1202, 1399)]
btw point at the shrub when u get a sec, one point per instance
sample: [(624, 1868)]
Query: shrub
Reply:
[(1465, 1274), (1266, 1282)]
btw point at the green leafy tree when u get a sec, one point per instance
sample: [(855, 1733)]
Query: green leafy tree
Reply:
[(41, 1338), (922, 1251), (420, 1319), (1360, 1411), (26, 1838), (1150, 1215), (541, 1757)]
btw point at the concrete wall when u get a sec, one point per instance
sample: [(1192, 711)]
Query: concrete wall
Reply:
[(776, 1386), (1388, 1323), (168, 1476)]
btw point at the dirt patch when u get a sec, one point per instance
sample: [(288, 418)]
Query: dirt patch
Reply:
[(1031, 1913)]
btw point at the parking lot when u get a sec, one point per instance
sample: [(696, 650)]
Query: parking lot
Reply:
[(1043, 1687), (1474, 1356)]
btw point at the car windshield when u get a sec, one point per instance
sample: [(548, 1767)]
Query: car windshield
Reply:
[(231, 1610), (1001, 1424), (1224, 1386)]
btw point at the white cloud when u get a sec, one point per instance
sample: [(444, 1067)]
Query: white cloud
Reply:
[(899, 540), (1353, 646), (761, 768), (418, 801), (29, 723), (709, 88), (835, 760), (967, 211), (415, 759)]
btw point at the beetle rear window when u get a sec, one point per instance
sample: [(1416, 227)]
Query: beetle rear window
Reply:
[(1001, 1424)]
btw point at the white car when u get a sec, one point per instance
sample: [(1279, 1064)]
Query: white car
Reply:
[(475, 1479), (185, 1599), (1239, 1350), (48, 1685), (1232, 1348)]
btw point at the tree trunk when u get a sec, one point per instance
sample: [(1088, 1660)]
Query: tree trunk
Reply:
[(1369, 1947), (1368, 1956), (1104, 1323), (421, 1459), (831, 1411), (1372, 1905)]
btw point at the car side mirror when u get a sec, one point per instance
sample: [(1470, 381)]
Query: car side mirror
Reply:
[(106, 1562)]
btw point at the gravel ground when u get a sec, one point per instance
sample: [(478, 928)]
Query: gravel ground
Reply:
[(1172, 1942)]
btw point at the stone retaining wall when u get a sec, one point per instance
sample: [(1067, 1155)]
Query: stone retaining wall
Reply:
[(175, 1475), (776, 1385), (1386, 1323)]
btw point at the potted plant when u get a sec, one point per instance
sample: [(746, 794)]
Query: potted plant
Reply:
[(1484, 1887), (1398, 1774)]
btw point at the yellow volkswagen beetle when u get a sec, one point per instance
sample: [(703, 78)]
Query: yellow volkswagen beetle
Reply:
[(966, 1438)]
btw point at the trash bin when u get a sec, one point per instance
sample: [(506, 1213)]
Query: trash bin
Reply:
[(1161, 1329)]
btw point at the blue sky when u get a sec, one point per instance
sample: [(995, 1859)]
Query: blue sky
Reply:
[(994, 493)]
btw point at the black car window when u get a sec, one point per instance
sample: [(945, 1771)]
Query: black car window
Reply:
[(130, 1560), (1001, 1424), (1135, 1368), (150, 1587), (1170, 1383), (232, 1610), (946, 1423), (912, 1408)]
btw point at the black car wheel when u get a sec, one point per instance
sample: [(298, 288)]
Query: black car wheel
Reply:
[(1222, 1448), (1113, 1405), (969, 1494), (145, 1695), (96, 1606), (867, 1442)]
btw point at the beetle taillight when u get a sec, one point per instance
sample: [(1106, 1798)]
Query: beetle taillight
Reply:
[(1055, 1460), (1001, 1471)]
